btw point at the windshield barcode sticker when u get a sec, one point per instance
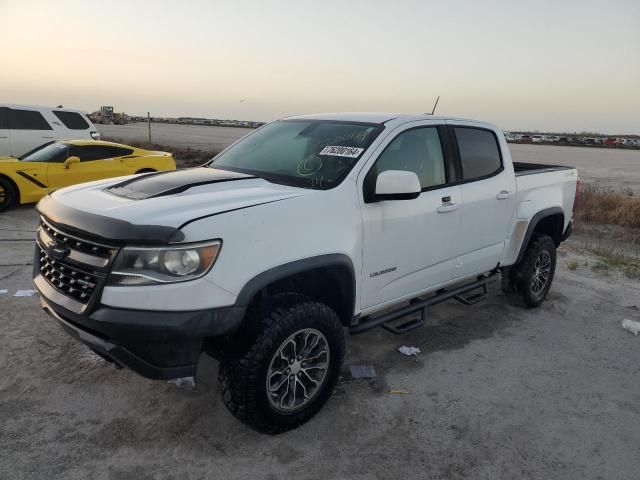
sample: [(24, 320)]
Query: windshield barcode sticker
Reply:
[(336, 151)]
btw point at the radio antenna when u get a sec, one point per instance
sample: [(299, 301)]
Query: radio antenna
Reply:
[(435, 105)]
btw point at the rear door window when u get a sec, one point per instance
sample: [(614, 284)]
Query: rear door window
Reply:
[(27, 120), (479, 152), (71, 120)]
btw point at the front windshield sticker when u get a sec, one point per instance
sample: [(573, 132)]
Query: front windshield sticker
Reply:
[(337, 151)]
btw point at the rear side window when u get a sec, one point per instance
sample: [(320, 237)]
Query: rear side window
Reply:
[(3, 118), (479, 152), (71, 120), (417, 150), (99, 152), (27, 120)]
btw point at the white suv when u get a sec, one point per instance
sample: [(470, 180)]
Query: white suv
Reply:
[(24, 128)]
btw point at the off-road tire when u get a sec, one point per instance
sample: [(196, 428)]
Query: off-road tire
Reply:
[(243, 379), (8, 194), (522, 274)]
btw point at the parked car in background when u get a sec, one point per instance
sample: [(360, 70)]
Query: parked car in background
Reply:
[(24, 127), (59, 164), (510, 137)]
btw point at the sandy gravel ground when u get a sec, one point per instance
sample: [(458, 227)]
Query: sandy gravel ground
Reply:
[(498, 392), (605, 167)]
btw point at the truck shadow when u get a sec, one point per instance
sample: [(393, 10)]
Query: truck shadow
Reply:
[(449, 326)]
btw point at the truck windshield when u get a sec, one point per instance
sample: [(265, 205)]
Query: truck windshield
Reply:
[(315, 154)]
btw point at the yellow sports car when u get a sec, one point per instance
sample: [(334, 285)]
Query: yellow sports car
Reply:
[(60, 164)]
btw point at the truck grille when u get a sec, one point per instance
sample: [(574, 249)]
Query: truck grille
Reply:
[(77, 244), (71, 281), (73, 266)]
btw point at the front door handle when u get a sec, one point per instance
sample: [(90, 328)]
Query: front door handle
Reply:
[(504, 194), (447, 207)]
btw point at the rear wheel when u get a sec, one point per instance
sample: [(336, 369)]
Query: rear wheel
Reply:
[(8, 194), (290, 370), (532, 277)]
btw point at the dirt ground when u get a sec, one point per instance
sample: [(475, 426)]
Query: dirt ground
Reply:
[(498, 392)]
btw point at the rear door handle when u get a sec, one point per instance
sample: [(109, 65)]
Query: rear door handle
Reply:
[(447, 207), (504, 194)]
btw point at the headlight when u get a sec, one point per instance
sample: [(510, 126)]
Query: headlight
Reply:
[(153, 266)]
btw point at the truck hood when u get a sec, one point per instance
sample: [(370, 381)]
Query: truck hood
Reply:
[(163, 199), (8, 160)]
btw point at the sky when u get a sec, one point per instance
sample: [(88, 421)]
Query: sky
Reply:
[(558, 65)]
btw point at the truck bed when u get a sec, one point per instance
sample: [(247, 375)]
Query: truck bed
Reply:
[(522, 168)]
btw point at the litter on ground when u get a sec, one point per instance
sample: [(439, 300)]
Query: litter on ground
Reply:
[(399, 391), (185, 383), (3, 291), (409, 350), (631, 326), (362, 371), (24, 293)]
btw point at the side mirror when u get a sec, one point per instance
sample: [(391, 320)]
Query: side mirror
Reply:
[(397, 185), (71, 160)]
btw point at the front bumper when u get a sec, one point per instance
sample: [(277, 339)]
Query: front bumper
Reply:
[(156, 344)]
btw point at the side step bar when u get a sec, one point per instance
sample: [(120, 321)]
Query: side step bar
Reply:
[(367, 323)]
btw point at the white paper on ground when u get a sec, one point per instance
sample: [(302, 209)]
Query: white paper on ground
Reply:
[(631, 326), (3, 290), (185, 383), (24, 293), (409, 350)]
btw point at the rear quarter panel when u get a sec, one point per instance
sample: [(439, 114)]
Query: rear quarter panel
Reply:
[(154, 162), (535, 193)]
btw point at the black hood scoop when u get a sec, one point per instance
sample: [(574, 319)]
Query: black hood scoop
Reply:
[(161, 184)]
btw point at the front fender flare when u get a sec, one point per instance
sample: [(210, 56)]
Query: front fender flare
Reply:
[(260, 281)]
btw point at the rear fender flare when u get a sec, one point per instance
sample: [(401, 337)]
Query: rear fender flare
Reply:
[(535, 220)]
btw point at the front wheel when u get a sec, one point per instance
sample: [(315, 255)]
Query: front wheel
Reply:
[(532, 277), (8, 194), (291, 369)]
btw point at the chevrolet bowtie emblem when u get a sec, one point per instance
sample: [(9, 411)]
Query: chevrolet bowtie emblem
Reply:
[(58, 251)]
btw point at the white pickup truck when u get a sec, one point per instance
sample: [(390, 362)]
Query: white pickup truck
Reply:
[(306, 227)]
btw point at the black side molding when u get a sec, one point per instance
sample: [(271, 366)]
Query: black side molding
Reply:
[(31, 179), (109, 229)]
